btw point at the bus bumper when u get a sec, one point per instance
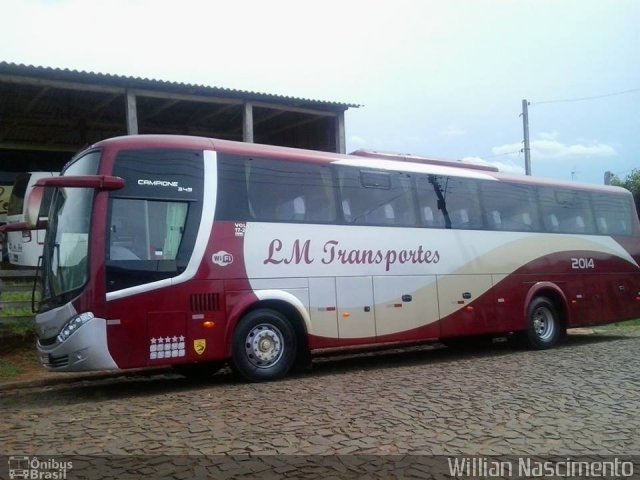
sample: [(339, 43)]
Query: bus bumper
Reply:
[(86, 349)]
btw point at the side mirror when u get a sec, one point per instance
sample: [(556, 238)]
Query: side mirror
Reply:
[(14, 227), (99, 182)]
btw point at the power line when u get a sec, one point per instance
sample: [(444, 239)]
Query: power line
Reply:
[(580, 99), (501, 154)]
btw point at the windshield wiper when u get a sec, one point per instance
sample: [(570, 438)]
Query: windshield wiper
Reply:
[(59, 269), (35, 284)]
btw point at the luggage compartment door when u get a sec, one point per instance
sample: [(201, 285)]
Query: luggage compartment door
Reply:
[(355, 307)]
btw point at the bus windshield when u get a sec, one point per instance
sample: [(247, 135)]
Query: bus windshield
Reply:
[(65, 259)]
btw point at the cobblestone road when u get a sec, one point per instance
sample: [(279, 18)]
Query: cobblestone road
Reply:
[(580, 398)]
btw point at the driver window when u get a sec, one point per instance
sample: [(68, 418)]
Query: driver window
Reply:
[(146, 230)]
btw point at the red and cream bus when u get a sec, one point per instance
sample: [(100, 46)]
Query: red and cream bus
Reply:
[(193, 252)]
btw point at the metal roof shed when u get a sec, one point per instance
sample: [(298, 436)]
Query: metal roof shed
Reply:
[(47, 114)]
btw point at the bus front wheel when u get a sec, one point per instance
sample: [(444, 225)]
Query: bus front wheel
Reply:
[(264, 346), (544, 326)]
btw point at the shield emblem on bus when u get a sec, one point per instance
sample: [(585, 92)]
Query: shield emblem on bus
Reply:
[(200, 345)]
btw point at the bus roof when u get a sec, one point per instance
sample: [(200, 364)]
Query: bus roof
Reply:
[(418, 159), (359, 158)]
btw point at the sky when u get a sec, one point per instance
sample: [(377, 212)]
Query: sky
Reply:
[(438, 78)]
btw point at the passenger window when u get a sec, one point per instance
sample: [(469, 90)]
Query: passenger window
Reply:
[(280, 191), (376, 197), (510, 207), (613, 213), (566, 211), (494, 220), (463, 203), (551, 223), (429, 190)]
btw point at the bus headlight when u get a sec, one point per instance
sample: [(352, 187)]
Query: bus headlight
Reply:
[(72, 325)]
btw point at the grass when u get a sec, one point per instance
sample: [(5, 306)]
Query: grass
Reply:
[(17, 312), (16, 297), (629, 323), (8, 370), (625, 324), (19, 360), (15, 283)]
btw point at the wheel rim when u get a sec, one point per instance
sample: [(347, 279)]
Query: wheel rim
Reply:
[(543, 323), (264, 345)]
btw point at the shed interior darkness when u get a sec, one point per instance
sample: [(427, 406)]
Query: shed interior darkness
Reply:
[(47, 115)]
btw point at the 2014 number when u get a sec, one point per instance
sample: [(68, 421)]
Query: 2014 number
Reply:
[(582, 263)]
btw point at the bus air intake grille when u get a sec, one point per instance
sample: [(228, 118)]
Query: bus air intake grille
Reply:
[(46, 342), (57, 362), (205, 302)]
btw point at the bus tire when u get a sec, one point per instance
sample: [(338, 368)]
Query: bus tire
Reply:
[(544, 325), (264, 346), (198, 371)]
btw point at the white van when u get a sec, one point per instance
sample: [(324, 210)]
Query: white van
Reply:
[(26, 247), (5, 195)]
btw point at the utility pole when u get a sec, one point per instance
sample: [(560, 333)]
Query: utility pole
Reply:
[(525, 126)]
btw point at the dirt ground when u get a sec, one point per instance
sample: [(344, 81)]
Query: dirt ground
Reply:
[(19, 362), (579, 399)]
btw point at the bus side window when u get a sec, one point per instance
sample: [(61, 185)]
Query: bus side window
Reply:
[(550, 209), (624, 228), (389, 214), (509, 206), (293, 209), (602, 225), (281, 191), (428, 191), (460, 218), (574, 224), (372, 197), (232, 201), (428, 217), (494, 220), (519, 222), (566, 210), (551, 223), (463, 203), (346, 210), (613, 213), (320, 201)]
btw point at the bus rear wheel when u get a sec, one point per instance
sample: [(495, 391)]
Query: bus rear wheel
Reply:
[(264, 346), (544, 326)]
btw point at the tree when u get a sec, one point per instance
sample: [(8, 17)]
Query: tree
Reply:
[(632, 183)]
